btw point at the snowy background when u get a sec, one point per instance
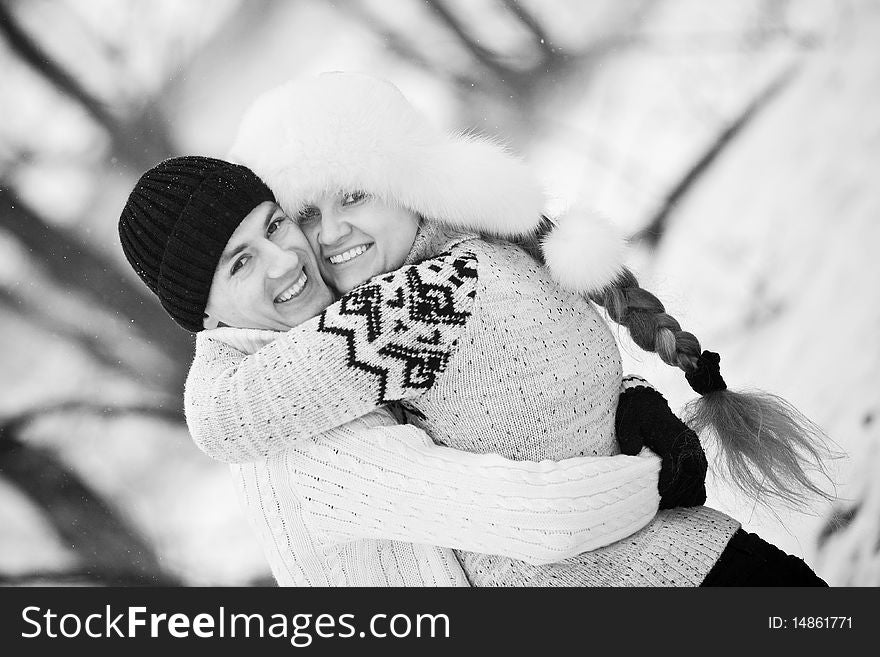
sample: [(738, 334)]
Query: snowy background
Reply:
[(736, 141)]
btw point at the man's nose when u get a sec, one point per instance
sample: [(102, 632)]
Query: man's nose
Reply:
[(280, 261), (333, 228)]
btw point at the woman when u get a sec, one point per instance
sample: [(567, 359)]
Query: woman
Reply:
[(312, 138)]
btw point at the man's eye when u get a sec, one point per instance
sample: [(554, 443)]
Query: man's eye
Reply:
[(353, 198), (277, 224), (238, 264), (308, 214)]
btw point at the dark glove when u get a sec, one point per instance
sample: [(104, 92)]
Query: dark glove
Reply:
[(644, 419)]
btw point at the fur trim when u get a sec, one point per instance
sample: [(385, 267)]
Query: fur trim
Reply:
[(346, 131), (584, 252)]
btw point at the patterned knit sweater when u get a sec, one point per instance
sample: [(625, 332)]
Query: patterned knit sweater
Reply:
[(489, 356)]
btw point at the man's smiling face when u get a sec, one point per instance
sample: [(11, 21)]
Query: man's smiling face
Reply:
[(268, 275)]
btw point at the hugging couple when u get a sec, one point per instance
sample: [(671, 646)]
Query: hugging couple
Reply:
[(404, 364)]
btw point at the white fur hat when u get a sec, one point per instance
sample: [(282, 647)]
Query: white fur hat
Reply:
[(354, 132)]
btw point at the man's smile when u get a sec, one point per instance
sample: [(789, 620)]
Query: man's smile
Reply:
[(295, 289)]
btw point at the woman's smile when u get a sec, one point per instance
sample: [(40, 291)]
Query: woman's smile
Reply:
[(349, 254)]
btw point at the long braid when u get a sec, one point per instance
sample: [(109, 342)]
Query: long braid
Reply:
[(768, 446), (651, 328)]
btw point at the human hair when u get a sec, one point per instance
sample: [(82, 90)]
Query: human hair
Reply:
[(766, 446)]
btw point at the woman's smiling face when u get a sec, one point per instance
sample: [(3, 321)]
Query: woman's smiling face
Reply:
[(356, 236), (268, 276)]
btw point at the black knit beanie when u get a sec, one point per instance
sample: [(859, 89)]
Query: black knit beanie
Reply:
[(176, 223)]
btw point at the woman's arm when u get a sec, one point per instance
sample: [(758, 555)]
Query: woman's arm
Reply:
[(392, 482), (387, 340)]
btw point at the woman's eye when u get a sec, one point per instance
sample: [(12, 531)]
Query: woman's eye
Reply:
[(352, 198), (238, 264), (308, 214), (275, 225)]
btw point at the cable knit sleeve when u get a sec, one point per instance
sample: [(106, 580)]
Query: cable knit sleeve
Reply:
[(389, 339), (392, 482)]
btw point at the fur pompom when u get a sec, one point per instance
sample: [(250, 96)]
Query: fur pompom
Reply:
[(584, 252), (354, 132)]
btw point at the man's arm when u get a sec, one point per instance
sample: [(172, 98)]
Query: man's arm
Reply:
[(644, 419), (392, 482)]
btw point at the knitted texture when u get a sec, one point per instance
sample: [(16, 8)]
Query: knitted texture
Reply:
[(327, 510), (548, 362), (297, 553), (176, 223), (485, 504), (324, 508), (533, 373)]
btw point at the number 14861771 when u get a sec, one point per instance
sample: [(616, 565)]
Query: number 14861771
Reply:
[(810, 623)]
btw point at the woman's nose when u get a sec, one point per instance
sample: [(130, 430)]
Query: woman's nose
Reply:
[(333, 228)]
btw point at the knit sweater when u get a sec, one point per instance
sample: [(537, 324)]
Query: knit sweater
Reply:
[(385, 480), (329, 509), (489, 356)]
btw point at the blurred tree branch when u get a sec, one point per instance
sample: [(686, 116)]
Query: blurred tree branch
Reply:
[(840, 517), (484, 56), (139, 143), (540, 37), (67, 258), (108, 549), (403, 46), (88, 576), (95, 345), (653, 232), (524, 84), (14, 424), (103, 542)]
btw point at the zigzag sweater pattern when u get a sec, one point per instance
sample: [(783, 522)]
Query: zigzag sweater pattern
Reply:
[(489, 357)]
